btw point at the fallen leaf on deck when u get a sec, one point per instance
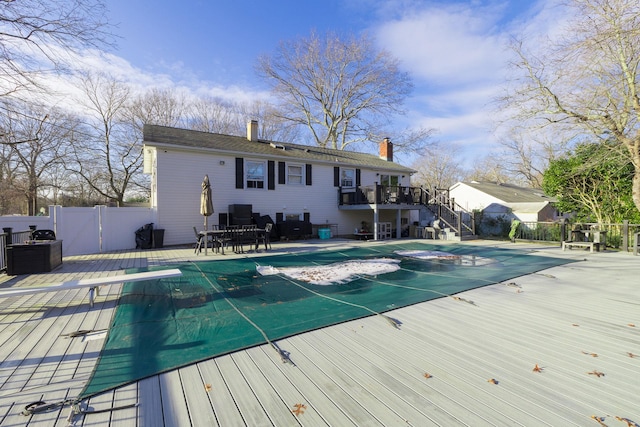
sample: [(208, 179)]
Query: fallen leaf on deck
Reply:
[(537, 368), (207, 387), (492, 381), (427, 375), (596, 373), (299, 408), (629, 422)]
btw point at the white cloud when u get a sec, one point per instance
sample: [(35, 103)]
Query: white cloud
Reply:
[(64, 88), (457, 55), (447, 45)]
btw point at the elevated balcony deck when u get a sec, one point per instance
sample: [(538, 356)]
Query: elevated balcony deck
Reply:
[(382, 197)]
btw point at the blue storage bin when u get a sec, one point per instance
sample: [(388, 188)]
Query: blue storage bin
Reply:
[(324, 233)]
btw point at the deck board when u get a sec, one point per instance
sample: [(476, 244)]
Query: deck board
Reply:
[(248, 406), (196, 392), (270, 366), (174, 407), (398, 380), (278, 410), (98, 403), (124, 397), (224, 406), (354, 401), (150, 403), (361, 372), (317, 399)]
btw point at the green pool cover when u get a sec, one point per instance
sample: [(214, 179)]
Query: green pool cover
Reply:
[(220, 306)]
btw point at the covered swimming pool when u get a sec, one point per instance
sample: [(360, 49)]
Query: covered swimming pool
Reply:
[(221, 306)]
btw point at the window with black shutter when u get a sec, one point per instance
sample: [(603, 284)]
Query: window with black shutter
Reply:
[(271, 175), (308, 174), (282, 173), (239, 172)]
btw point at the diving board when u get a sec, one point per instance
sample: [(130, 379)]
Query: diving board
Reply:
[(94, 283)]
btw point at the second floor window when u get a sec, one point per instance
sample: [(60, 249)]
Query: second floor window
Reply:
[(255, 174), (348, 178), (294, 174)]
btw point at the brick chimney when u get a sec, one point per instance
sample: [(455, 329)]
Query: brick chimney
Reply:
[(252, 130), (386, 150)]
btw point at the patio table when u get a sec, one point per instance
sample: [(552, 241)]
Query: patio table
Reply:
[(235, 236)]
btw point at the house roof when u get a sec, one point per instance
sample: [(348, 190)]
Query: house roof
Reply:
[(510, 193), (238, 145)]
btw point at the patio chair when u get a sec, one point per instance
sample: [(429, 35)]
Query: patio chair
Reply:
[(434, 231), (200, 240), (264, 236), (248, 235), (230, 238)]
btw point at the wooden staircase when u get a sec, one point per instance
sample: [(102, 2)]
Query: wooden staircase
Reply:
[(457, 223)]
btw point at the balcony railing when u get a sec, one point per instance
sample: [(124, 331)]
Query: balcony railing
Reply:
[(452, 214), (382, 194)]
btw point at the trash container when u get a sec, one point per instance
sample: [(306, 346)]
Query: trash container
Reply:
[(143, 236), (324, 233), (158, 238)]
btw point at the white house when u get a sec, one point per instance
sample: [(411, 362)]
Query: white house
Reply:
[(508, 200), (329, 188)]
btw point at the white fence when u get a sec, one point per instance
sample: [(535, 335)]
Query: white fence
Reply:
[(88, 230)]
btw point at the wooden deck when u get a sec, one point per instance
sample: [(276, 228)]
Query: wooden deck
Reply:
[(579, 323)]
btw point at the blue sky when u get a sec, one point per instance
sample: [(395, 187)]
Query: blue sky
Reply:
[(455, 51)]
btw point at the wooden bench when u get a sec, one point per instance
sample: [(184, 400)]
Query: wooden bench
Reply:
[(568, 245), (94, 283)]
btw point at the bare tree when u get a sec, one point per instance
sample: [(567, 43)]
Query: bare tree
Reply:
[(164, 107), (343, 91), (108, 155), (587, 78), (526, 155), (272, 126), (35, 36), (10, 196), (489, 168), (438, 168), (47, 143), (215, 115)]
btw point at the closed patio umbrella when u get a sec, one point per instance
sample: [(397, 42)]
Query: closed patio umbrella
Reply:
[(206, 205)]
